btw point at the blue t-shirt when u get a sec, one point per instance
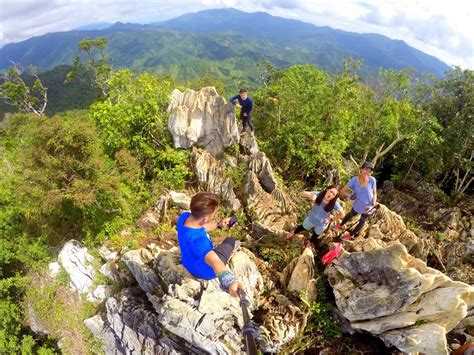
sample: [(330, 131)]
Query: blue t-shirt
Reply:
[(364, 195), (194, 244), (246, 104), (318, 214)]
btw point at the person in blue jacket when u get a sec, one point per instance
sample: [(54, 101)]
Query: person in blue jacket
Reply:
[(245, 104), (199, 256), (364, 193)]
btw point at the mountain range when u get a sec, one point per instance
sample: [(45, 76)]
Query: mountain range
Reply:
[(223, 43)]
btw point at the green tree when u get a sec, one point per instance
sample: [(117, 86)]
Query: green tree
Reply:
[(97, 63), (452, 102), (302, 118), (135, 118), (385, 117), (14, 91)]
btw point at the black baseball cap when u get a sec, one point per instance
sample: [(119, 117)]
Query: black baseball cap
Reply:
[(367, 164)]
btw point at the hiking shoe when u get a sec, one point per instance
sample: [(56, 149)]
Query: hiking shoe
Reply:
[(346, 236), (335, 228)]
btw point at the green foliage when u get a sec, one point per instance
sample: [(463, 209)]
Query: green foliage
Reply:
[(272, 250), (13, 337), (452, 102), (27, 98), (62, 313), (67, 186), (308, 114), (134, 117), (321, 322), (97, 63)]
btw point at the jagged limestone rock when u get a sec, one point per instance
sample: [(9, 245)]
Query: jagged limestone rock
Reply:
[(211, 177), (282, 321), (261, 166), (300, 275), (77, 262), (187, 314), (202, 118), (390, 293), (138, 262), (130, 326), (268, 213)]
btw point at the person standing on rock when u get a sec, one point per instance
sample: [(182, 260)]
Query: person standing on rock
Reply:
[(245, 104), (320, 216), (364, 194), (199, 256)]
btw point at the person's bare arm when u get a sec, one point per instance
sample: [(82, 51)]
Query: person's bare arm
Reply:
[(374, 201), (308, 194), (345, 191), (219, 268), (209, 227)]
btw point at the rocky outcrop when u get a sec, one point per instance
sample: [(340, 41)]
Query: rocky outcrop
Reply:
[(211, 177), (395, 296), (267, 211), (171, 309), (78, 263), (204, 119), (300, 275), (448, 231)]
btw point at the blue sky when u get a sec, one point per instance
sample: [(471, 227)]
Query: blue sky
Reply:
[(444, 29)]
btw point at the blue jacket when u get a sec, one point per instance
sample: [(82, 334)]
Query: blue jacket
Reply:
[(246, 104)]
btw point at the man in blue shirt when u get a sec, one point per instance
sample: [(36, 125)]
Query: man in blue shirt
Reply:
[(245, 104), (198, 255)]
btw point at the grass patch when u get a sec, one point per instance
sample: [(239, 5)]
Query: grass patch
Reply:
[(62, 312)]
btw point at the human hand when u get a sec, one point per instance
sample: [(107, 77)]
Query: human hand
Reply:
[(224, 222), (238, 106), (234, 288)]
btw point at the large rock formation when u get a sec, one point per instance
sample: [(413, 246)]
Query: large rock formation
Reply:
[(395, 296), (202, 118), (170, 310)]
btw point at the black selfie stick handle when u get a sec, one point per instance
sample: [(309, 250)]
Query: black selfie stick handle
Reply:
[(248, 330)]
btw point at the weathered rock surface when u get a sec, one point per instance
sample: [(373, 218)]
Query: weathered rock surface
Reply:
[(202, 118), (76, 260), (300, 275), (451, 229), (172, 309), (268, 211), (211, 178), (397, 297)]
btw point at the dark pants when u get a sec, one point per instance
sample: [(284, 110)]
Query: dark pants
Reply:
[(225, 249), (247, 121), (314, 236), (361, 223)]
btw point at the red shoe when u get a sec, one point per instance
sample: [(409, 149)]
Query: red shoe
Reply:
[(347, 235), (335, 228)]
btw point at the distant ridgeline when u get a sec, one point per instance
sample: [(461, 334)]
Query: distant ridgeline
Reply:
[(225, 44)]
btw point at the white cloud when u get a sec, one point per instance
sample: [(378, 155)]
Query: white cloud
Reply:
[(441, 28)]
